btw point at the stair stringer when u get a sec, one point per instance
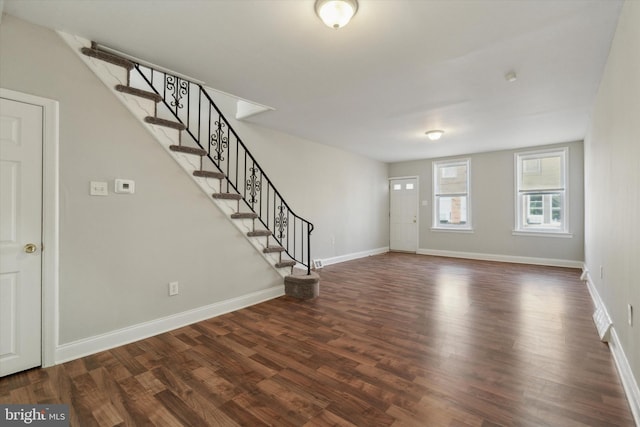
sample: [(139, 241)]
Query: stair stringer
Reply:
[(112, 75)]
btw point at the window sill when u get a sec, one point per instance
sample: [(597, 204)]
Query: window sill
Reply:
[(454, 230), (541, 233)]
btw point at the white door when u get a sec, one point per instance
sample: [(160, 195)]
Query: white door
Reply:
[(403, 196), (20, 235)]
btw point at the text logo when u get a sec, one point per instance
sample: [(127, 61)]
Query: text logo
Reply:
[(34, 415)]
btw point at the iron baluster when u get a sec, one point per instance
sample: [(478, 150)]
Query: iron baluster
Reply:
[(281, 222), (253, 186), (218, 141)]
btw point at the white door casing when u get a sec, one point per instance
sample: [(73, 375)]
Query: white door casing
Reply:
[(403, 214), (21, 130)]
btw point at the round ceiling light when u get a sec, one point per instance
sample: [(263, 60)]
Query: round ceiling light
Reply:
[(336, 13), (434, 135)]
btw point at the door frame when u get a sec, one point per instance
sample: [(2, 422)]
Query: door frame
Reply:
[(50, 219), (417, 178)]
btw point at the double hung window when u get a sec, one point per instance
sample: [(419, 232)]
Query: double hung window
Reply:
[(541, 191), (451, 195)]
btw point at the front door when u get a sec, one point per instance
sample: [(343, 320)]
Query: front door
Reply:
[(21, 127), (403, 216)]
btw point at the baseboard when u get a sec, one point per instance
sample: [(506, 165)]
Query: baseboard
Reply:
[(106, 341), (626, 375), (595, 296), (354, 255), (629, 382), (503, 258)]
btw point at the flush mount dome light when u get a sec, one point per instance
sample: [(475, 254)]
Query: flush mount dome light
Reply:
[(434, 135), (336, 13)]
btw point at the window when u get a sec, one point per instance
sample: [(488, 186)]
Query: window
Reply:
[(451, 197), (541, 191)]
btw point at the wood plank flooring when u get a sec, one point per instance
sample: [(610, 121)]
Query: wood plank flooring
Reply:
[(393, 340)]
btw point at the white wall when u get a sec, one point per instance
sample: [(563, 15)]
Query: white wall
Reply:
[(118, 253), (612, 182), (493, 210)]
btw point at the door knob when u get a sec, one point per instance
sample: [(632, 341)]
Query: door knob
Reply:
[(30, 248)]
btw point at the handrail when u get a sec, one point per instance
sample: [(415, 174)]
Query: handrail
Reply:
[(211, 131)]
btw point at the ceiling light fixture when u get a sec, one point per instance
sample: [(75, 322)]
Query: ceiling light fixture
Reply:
[(511, 76), (434, 135), (336, 13)]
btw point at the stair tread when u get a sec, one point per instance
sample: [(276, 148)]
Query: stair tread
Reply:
[(288, 263), (244, 215), (227, 196), (208, 174), (108, 57), (270, 249), (163, 122), (188, 150), (259, 233), (139, 92)]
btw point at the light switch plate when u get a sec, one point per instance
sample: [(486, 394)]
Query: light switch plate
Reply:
[(98, 188)]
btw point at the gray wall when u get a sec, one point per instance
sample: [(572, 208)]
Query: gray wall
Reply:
[(493, 209), (118, 253), (612, 180)]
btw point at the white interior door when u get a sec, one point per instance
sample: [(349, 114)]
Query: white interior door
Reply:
[(403, 196), (21, 127)]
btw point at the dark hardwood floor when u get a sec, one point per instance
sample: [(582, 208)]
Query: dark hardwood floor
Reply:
[(394, 339)]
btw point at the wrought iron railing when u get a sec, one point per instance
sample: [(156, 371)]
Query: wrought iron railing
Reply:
[(191, 105)]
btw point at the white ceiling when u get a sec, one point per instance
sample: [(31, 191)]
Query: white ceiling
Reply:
[(400, 68)]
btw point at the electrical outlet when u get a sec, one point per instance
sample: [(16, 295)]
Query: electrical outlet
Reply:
[(630, 314), (173, 289)]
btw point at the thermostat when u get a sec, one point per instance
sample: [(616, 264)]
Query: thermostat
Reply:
[(127, 186)]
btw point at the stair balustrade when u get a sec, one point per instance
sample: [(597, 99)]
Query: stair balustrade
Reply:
[(210, 135)]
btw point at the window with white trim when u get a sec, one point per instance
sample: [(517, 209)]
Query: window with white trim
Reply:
[(451, 195), (541, 191)]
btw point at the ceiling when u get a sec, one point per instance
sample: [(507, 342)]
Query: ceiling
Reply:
[(400, 68)]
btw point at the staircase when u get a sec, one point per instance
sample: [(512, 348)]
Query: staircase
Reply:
[(184, 119)]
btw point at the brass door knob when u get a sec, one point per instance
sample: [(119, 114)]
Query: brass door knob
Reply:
[(30, 248)]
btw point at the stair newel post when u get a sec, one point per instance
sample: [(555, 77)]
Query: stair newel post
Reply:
[(309, 230), (237, 159), (200, 112)]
